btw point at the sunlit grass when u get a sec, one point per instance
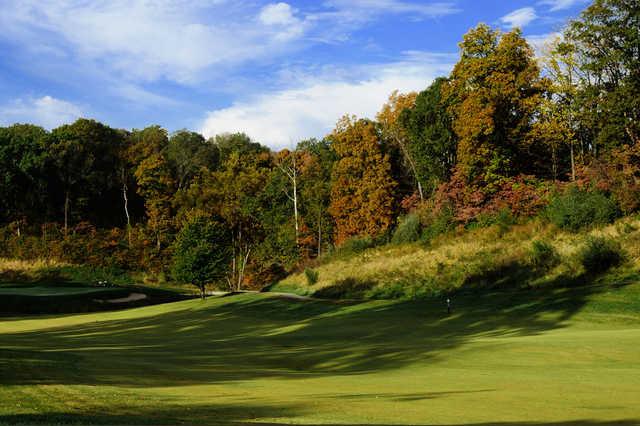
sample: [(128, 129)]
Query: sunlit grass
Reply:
[(554, 357), (452, 259)]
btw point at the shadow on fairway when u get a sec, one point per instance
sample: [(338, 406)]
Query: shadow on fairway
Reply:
[(247, 336), (235, 415)]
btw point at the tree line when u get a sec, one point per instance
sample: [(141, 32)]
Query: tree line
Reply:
[(502, 132)]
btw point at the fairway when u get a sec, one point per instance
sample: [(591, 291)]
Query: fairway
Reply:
[(563, 357), (50, 291)]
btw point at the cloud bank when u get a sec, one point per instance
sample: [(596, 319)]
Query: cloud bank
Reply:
[(46, 111), (282, 118)]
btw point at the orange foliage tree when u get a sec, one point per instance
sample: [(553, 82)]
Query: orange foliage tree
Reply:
[(362, 200)]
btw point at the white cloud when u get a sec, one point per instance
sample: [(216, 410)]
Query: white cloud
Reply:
[(430, 9), (312, 109), (141, 40), (181, 40), (277, 14), (520, 17), (561, 4), (46, 111), (281, 17)]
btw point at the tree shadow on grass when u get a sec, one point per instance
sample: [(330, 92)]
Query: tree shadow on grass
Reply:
[(249, 336), (245, 414)]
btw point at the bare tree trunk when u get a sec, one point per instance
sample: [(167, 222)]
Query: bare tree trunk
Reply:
[(158, 243), (295, 202), (66, 212), (412, 165), (319, 234), (573, 164), (554, 163), (632, 135), (126, 211), (292, 173), (244, 260)]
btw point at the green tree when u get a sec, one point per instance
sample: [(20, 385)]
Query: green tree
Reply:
[(395, 137), (187, 154), (240, 143), (606, 37), (232, 193), (560, 114), (23, 183), (432, 143), (84, 156), (202, 253), (317, 164)]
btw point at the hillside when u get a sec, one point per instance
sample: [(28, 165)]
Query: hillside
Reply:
[(496, 257)]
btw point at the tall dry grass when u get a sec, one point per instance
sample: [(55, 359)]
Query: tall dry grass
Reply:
[(29, 266), (451, 259)]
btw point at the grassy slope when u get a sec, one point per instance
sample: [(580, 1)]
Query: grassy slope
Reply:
[(545, 357), (480, 258)]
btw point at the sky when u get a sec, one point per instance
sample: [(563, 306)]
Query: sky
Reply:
[(278, 71)]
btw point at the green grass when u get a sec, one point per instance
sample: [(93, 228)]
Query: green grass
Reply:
[(51, 290), (47, 287), (544, 356)]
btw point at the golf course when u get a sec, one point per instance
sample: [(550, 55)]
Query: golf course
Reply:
[(335, 212), (559, 357)]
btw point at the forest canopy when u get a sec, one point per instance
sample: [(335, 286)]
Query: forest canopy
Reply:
[(504, 132)]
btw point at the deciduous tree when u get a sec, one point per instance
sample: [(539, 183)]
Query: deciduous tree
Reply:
[(362, 201)]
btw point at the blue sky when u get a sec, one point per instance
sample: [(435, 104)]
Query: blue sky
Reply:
[(280, 71)]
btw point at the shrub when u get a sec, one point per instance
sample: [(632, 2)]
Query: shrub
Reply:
[(625, 228), (408, 230), (577, 209), (600, 254), (312, 276), (356, 245), (503, 219), (543, 255), (437, 224)]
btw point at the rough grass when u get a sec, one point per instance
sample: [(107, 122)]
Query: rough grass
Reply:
[(554, 357), (486, 257)]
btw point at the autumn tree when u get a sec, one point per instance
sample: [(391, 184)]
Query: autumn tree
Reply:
[(362, 200), (231, 192), (316, 170), (494, 92), (155, 182), (395, 135)]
